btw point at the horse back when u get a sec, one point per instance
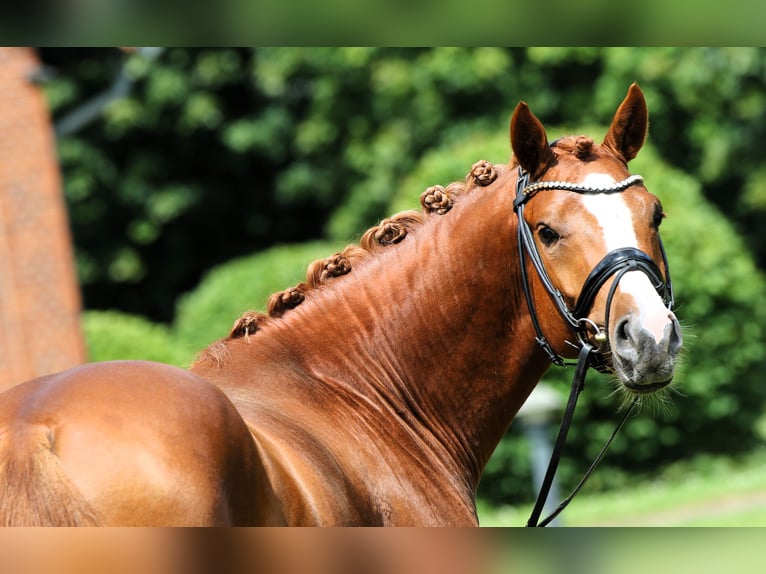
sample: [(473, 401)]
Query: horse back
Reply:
[(125, 443)]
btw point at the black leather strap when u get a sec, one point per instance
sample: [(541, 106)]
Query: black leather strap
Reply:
[(578, 383), (614, 261)]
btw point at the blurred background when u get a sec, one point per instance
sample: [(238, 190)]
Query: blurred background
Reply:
[(166, 191), (378, 551)]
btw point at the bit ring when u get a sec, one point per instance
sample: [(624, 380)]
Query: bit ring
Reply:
[(599, 335)]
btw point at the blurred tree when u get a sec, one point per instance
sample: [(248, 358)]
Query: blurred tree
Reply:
[(242, 284), (112, 335), (289, 144), (273, 145)]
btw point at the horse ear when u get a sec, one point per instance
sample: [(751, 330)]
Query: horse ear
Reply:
[(628, 130), (529, 141)]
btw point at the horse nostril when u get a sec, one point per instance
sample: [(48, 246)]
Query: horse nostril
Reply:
[(621, 330), (676, 338)]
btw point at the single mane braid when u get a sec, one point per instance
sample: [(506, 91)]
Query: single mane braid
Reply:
[(483, 173), (248, 324), (391, 230), (436, 199), (287, 299), (583, 147), (580, 146), (322, 270)]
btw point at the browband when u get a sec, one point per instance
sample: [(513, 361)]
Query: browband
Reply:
[(529, 190)]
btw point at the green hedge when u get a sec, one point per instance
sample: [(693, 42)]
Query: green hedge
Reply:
[(243, 284), (112, 335), (720, 301)]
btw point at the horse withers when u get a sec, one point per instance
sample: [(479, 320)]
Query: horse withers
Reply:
[(374, 392)]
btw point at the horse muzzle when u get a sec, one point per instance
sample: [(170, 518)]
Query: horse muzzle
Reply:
[(645, 359)]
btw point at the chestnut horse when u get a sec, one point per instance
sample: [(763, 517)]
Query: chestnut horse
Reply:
[(375, 392)]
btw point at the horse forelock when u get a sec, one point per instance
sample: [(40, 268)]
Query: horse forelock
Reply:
[(581, 146)]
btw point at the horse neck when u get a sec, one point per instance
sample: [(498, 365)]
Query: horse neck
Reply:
[(435, 330)]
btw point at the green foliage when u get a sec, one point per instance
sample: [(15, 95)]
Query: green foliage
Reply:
[(111, 335), (243, 284), (721, 301)]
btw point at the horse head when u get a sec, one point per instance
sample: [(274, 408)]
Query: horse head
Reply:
[(590, 239)]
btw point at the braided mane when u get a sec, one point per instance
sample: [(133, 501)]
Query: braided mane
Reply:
[(580, 146), (435, 200)]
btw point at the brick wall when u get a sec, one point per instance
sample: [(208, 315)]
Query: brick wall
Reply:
[(39, 295)]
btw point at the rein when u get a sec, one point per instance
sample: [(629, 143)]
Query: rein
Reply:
[(616, 263)]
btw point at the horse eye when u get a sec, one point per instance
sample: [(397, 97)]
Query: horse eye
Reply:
[(547, 235), (658, 216)]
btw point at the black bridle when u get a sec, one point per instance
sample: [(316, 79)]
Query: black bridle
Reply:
[(615, 264)]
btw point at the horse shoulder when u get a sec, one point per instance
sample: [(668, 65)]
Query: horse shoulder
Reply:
[(333, 461), (332, 456)]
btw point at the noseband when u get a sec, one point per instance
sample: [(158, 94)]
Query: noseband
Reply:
[(615, 264)]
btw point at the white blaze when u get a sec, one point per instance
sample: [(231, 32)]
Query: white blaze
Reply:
[(617, 228)]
